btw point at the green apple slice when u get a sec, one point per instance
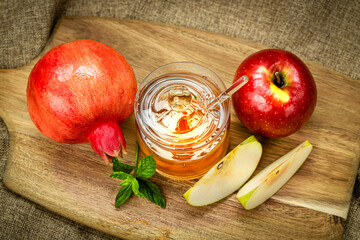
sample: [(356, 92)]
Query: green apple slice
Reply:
[(226, 176), (267, 182)]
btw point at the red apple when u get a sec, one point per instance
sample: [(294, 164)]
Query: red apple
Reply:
[(280, 95)]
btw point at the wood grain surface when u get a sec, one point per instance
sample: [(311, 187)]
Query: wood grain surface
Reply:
[(74, 182)]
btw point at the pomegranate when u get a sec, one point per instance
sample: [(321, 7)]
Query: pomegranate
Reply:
[(82, 91)]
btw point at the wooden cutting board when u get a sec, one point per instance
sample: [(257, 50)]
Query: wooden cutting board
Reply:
[(73, 181)]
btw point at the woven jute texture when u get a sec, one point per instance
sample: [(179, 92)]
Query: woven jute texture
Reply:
[(326, 32)]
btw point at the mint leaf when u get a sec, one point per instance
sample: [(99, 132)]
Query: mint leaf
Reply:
[(126, 181), (146, 168), (120, 175), (123, 194), (134, 180), (135, 188), (151, 192), (121, 167)]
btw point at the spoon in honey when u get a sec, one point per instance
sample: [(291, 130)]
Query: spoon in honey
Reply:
[(179, 98)]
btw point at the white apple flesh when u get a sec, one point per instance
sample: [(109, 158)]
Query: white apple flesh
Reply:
[(226, 176), (267, 182)]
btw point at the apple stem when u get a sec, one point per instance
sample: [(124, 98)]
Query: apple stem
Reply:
[(279, 81)]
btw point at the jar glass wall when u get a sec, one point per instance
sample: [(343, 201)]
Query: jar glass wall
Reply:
[(172, 124)]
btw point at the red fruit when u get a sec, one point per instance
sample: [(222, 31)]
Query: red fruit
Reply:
[(80, 92), (280, 95)]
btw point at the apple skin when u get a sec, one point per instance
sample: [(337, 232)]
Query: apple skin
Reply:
[(274, 105)]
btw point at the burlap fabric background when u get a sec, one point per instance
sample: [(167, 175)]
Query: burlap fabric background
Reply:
[(326, 32)]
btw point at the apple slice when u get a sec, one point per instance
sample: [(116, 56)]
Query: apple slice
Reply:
[(226, 176), (267, 182)]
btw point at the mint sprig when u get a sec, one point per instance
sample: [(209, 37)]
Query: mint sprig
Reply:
[(135, 180)]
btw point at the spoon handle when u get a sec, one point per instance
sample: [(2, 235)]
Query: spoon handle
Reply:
[(228, 92)]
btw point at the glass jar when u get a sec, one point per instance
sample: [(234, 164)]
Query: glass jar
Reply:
[(172, 124)]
